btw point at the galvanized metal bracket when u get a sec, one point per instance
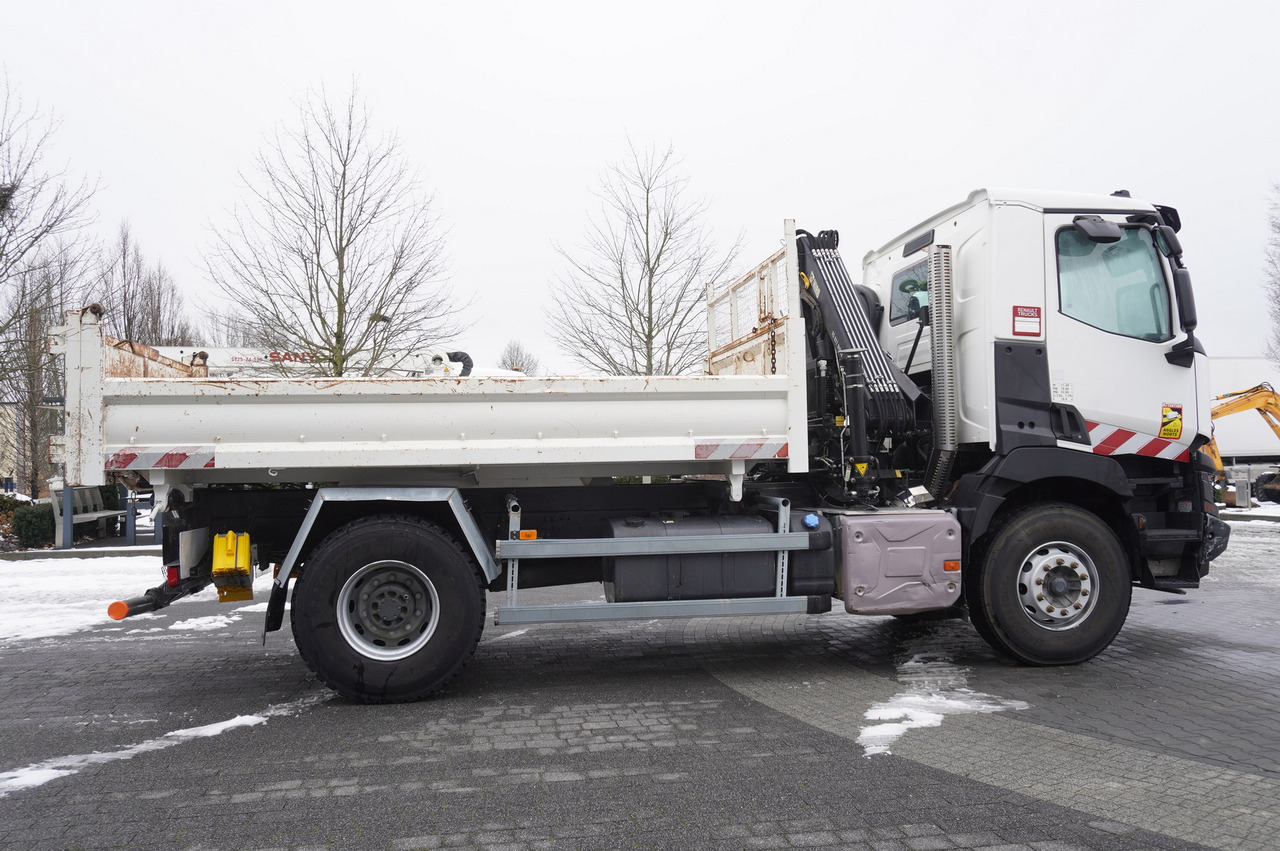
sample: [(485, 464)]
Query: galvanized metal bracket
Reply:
[(466, 523)]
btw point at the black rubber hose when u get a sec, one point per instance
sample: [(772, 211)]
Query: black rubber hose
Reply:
[(462, 358)]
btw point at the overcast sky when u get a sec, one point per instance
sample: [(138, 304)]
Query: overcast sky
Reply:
[(865, 117)]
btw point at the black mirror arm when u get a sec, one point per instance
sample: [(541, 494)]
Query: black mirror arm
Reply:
[(923, 316), (1184, 354)]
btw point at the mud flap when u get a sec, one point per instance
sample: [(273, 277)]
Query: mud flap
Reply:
[(275, 608), (1216, 535)]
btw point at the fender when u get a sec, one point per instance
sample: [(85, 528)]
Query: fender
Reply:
[(466, 524), (979, 495)]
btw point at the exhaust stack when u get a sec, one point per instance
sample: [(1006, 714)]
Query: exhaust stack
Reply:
[(945, 392)]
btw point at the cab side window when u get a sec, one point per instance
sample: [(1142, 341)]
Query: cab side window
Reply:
[(910, 293), (1117, 287)]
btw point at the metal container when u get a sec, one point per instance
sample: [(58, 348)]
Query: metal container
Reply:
[(812, 571), (899, 563), (692, 576)]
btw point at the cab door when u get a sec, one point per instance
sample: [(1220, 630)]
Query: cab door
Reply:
[(1112, 320)]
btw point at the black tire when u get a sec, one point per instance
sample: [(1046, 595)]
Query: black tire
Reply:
[(388, 609), (1264, 488), (1082, 597)]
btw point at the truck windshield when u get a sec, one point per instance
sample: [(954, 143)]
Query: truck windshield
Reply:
[(1117, 287)]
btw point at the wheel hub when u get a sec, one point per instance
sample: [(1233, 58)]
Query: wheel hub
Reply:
[(1056, 585), (388, 610)]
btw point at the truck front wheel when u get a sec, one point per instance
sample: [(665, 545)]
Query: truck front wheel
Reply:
[(1052, 586), (388, 609)]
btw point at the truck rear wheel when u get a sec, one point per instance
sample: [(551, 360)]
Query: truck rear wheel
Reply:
[(388, 609), (1052, 586)]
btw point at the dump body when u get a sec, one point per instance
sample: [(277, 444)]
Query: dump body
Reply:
[(464, 432)]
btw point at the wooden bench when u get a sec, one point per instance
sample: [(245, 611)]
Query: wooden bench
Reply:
[(86, 507)]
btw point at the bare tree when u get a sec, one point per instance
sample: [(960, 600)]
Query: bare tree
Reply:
[(516, 356), (122, 275), (38, 205), (632, 301), (41, 211), (143, 302), (336, 251), (1271, 274), (164, 321), (41, 292), (224, 327)]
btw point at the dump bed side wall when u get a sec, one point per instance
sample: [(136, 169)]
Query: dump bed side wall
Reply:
[(452, 430)]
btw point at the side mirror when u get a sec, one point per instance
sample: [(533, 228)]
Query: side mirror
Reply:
[(1167, 241), (1097, 229), (1186, 299)]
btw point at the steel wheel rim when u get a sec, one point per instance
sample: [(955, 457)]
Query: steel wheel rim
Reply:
[(388, 610), (1057, 586)]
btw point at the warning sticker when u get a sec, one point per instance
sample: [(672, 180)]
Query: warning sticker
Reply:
[(1026, 321), (1171, 422)]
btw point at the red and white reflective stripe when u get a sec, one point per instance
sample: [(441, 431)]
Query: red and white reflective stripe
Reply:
[(161, 458), (1110, 440), (733, 450)]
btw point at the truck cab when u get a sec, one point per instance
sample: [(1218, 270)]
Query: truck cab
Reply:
[(1074, 372), (1087, 331)]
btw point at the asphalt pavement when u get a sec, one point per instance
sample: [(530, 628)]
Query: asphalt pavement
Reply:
[(181, 730)]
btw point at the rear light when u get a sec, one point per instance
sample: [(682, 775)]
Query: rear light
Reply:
[(171, 576)]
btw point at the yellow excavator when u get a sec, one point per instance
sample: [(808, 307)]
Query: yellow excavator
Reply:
[(1263, 399)]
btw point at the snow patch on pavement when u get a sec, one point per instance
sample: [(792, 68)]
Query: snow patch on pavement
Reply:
[(206, 624), (37, 774), (935, 688), (45, 598)]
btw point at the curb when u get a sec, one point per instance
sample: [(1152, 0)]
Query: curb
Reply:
[(95, 552), (1247, 515)]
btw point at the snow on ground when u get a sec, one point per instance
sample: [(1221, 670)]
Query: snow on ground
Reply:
[(37, 774), (1253, 553), (58, 596), (934, 687)]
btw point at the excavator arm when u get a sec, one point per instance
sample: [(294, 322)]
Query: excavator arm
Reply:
[(1262, 398)]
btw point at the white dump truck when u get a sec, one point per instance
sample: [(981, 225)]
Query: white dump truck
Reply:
[(1002, 418)]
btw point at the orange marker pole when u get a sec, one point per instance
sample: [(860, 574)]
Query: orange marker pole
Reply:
[(122, 609)]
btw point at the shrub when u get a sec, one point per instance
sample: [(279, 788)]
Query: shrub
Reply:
[(110, 497), (8, 505), (33, 525)]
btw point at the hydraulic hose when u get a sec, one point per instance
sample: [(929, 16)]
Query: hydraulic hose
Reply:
[(462, 358)]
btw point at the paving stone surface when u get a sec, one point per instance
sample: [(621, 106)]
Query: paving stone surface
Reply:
[(715, 733)]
